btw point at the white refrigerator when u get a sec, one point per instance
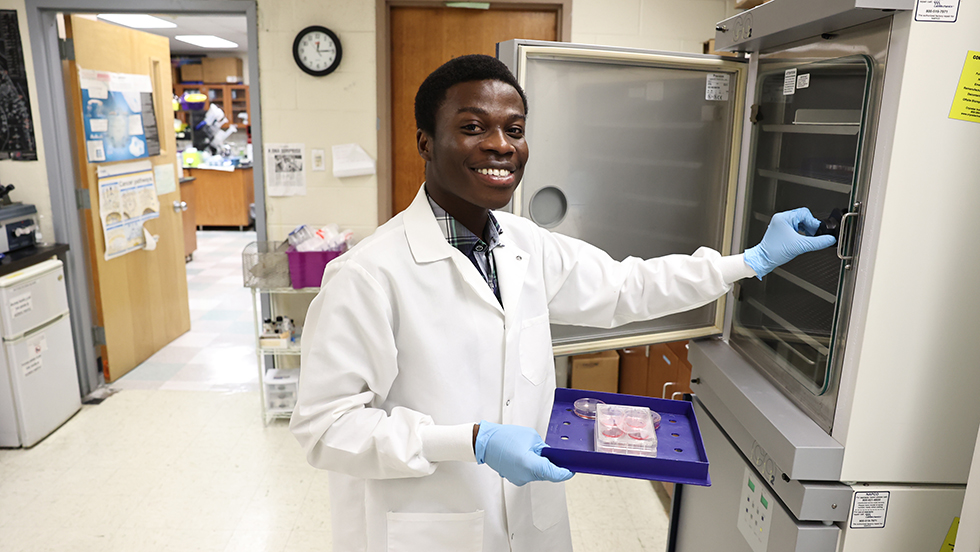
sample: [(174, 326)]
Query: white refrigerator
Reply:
[(38, 379)]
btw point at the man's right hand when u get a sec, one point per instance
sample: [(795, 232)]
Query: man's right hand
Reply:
[(515, 453)]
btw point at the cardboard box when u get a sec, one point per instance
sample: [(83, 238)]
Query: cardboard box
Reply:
[(668, 374), (708, 47), (748, 4), (596, 372), (191, 72), (226, 70), (679, 348), (633, 370)]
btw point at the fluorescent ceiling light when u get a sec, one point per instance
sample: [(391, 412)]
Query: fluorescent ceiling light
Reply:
[(206, 41), (138, 20)]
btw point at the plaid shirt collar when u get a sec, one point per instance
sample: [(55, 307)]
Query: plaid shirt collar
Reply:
[(460, 236)]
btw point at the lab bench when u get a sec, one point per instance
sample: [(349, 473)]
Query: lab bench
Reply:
[(223, 198)]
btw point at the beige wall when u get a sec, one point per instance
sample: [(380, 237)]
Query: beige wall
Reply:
[(672, 25), (29, 177), (320, 112), (342, 108)]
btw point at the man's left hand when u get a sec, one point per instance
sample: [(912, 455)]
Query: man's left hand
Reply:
[(783, 240)]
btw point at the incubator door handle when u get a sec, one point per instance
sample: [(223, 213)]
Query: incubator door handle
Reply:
[(849, 237)]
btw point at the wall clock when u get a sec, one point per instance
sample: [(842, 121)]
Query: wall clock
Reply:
[(317, 50)]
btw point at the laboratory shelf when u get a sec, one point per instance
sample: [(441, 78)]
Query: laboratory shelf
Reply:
[(279, 350), (271, 392)]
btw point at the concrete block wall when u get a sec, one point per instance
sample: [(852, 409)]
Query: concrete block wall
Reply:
[(320, 112), (671, 25)]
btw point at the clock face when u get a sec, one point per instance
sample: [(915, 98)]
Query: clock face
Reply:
[(317, 50)]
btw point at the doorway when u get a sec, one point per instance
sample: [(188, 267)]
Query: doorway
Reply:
[(409, 54), (68, 217)]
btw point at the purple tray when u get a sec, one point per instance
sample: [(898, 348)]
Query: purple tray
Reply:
[(680, 451)]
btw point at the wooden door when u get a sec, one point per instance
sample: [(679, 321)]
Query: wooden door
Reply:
[(422, 39), (140, 298)]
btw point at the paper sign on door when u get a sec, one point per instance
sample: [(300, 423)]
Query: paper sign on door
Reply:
[(21, 305), (34, 355)]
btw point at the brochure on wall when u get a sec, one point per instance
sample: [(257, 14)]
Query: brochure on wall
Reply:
[(285, 169), (117, 109), (127, 199)]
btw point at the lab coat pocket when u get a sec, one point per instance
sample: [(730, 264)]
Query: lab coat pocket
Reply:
[(536, 358), (409, 532), (547, 503)]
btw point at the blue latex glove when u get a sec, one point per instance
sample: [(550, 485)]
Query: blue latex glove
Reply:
[(515, 453), (783, 240)]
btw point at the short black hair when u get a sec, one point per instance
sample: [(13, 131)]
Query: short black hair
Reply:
[(469, 68)]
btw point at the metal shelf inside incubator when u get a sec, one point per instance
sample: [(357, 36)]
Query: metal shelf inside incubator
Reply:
[(813, 129), (833, 181)]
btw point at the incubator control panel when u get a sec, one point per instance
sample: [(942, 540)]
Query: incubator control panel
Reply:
[(755, 511)]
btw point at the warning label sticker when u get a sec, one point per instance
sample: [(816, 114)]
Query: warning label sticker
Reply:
[(789, 82), (869, 510), (717, 87), (966, 101), (937, 11)]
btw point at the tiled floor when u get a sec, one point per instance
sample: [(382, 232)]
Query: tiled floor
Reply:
[(179, 459), (218, 354)]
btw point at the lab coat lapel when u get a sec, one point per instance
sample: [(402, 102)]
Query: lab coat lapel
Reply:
[(429, 245), (512, 263), (424, 236)]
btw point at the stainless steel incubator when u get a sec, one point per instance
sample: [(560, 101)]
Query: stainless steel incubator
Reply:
[(836, 397)]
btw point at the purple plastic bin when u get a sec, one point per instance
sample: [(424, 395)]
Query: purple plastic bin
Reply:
[(681, 457), (306, 267)]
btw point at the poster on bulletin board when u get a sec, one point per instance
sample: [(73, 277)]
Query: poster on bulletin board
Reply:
[(117, 109)]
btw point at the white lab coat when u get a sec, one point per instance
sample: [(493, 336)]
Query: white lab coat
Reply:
[(406, 347)]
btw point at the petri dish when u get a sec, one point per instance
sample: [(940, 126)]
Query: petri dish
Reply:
[(655, 418), (612, 431), (585, 407)]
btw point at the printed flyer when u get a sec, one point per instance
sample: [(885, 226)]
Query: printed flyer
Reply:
[(127, 199), (117, 109)]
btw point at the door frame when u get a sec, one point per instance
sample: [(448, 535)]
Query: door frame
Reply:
[(383, 48), (56, 128)]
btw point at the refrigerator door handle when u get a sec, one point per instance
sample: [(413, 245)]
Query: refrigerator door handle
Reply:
[(34, 330)]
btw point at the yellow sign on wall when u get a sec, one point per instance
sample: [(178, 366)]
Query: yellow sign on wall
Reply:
[(966, 103)]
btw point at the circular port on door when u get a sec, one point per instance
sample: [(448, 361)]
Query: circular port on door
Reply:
[(548, 207)]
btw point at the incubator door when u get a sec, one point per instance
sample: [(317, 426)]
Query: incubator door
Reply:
[(808, 135), (634, 152)]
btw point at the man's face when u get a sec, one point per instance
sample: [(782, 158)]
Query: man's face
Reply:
[(477, 157)]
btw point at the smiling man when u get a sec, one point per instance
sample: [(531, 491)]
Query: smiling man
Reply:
[(427, 352)]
